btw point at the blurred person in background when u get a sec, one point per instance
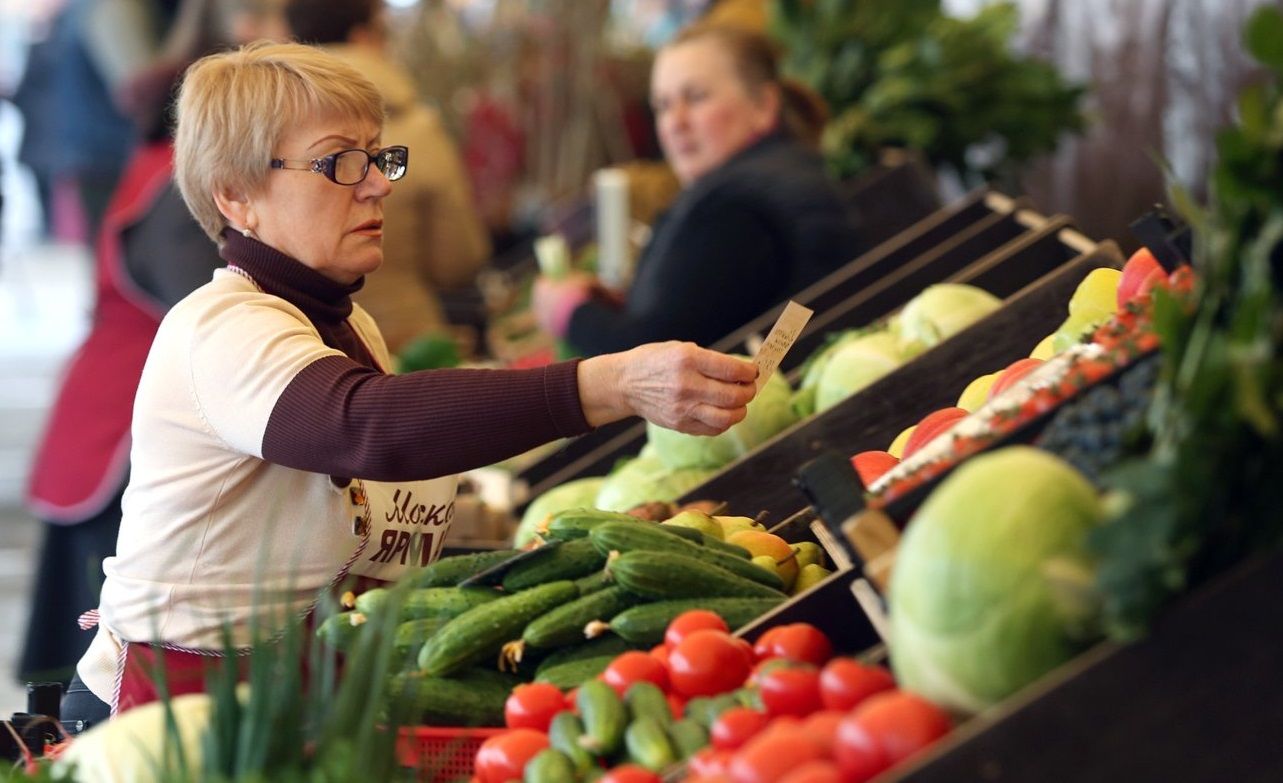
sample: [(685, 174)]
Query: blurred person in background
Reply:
[(757, 220), (434, 238)]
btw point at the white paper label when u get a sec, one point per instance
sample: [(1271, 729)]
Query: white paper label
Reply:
[(788, 327)]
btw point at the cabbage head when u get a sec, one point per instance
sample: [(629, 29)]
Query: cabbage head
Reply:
[(135, 746), (580, 493), (645, 480), (940, 312), (856, 364), (769, 413), (992, 580)]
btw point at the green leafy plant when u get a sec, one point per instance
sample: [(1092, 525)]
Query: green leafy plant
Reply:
[(1209, 490), (903, 74)]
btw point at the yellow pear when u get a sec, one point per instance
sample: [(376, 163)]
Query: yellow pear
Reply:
[(808, 552), (810, 576), (732, 525), (696, 520), (761, 544), (768, 562), (897, 446)]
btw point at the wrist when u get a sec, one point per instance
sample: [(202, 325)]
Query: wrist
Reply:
[(600, 390)]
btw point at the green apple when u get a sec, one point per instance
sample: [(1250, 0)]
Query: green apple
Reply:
[(696, 520), (808, 552)]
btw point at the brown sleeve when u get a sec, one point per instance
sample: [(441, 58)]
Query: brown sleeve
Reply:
[(343, 419)]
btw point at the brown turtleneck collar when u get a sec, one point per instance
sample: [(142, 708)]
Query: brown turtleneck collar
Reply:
[(326, 303)]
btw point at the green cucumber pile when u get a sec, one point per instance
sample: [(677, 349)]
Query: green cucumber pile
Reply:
[(612, 584)]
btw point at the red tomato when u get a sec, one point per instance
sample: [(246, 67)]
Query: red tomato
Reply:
[(765, 667), (532, 706), (719, 778), (901, 723), (771, 755), (503, 757), (660, 653), (799, 642), (845, 683), (814, 772), (635, 666), (710, 762), (857, 755), (707, 663), (823, 726), (735, 727), (572, 700), (693, 620), (676, 705), (630, 773), (791, 691)]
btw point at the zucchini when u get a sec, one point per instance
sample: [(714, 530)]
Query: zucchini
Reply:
[(465, 700), (564, 733), (604, 717), (565, 624), (570, 560), (444, 602), (622, 537), (644, 625), (479, 633), (648, 744), (549, 766), (646, 700), (664, 575), (687, 737), (450, 571), (576, 523), (572, 674)]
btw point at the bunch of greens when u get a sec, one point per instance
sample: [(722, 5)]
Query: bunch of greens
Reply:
[(1210, 489), (900, 73)]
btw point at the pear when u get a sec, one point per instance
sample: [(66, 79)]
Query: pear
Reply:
[(767, 562), (810, 576), (732, 525), (696, 520), (808, 553)]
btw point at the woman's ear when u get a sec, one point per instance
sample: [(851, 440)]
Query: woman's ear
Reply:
[(235, 207), (770, 107)]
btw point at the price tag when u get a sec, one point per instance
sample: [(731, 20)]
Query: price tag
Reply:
[(788, 327)]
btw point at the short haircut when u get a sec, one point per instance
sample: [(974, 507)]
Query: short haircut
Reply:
[(328, 21), (234, 107)]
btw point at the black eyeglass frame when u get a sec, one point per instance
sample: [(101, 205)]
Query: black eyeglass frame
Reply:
[(328, 165)]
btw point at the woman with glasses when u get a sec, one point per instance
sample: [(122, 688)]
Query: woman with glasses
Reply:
[(273, 454)]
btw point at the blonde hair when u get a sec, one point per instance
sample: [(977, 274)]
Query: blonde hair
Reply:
[(802, 111), (233, 108)]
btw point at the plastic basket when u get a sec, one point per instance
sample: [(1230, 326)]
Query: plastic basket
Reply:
[(441, 755)]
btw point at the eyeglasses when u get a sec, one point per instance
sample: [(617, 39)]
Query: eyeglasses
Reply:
[(349, 167)]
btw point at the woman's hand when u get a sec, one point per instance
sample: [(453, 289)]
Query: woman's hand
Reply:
[(676, 385), (554, 301)]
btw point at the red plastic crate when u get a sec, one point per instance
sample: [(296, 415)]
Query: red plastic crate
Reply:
[(441, 755)]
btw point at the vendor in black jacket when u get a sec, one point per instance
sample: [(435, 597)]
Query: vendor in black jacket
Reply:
[(757, 219)]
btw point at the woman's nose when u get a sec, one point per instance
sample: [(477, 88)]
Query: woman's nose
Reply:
[(375, 184)]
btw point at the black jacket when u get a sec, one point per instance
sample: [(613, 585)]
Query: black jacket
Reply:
[(744, 237)]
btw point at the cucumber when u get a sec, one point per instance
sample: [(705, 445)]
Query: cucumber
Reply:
[(479, 633), (608, 644), (705, 710), (340, 630), (622, 537), (571, 560), (411, 634), (685, 533), (665, 575), (444, 602), (646, 700), (564, 733), (565, 624), (450, 571), (465, 700), (687, 737), (644, 625), (372, 601), (597, 580), (549, 766), (648, 744), (604, 717), (572, 674), (576, 523)]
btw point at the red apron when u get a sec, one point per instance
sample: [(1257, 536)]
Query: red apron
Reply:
[(84, 457)]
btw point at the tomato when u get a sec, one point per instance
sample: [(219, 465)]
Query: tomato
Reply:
[(774, 753), (736, 726), (800, 642), (765, 667), (676, 705), (572, 700), (635, 666), (709, 762), (745, 648), (844, 683), (814, 772), (884, 730), (823, 726), (693, 620), (503, 757), (707, 663), (791, 691), (532, 706), (630, 773), (660, 653)]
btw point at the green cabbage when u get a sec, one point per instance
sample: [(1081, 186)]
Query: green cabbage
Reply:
[(940, 312), (136, 745), (992, 579), (646, 480), (854, 365), (580, 493), (768, 414)]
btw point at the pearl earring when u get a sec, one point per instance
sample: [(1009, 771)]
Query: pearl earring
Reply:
[(248, 233)]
